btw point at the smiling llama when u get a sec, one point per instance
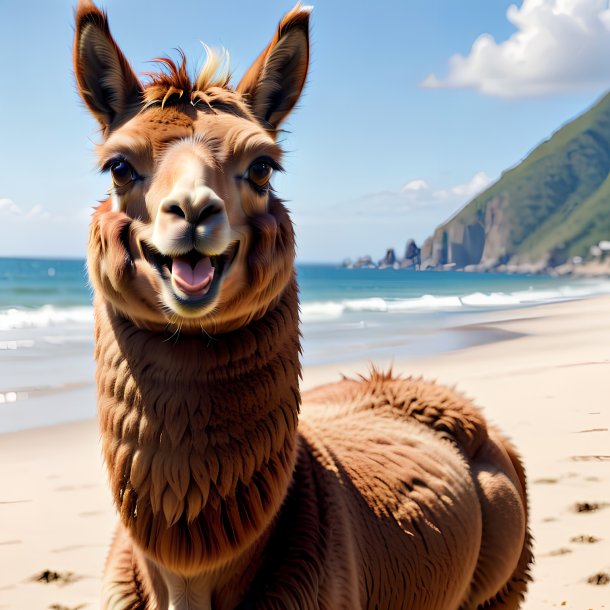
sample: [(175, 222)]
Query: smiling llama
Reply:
[(389, 493)]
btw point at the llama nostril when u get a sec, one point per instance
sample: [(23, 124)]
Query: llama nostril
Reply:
[(208, 210), (176, 210)]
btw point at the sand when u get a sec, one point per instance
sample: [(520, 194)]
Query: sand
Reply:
[(546, 384)]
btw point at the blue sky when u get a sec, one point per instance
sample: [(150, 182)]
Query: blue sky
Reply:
[(411, 108)]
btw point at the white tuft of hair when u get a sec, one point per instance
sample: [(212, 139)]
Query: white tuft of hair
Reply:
[(216, 70)]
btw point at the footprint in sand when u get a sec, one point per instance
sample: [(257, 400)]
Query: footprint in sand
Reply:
[(60, 578), (589, 507), (557, 552), (601, 578), (546, 481), (584, 539)]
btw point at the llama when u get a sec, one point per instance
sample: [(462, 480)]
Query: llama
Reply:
[(232, 489)]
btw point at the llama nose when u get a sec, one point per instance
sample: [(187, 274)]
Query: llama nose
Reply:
[(196, 205)]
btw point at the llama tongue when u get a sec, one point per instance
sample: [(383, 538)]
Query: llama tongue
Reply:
[(193, 279)]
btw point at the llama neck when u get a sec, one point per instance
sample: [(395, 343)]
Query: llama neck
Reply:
[(199, 433)]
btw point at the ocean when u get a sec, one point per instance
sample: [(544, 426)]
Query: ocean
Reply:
[(46, 322)]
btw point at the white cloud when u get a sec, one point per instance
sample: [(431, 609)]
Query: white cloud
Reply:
[(381, 220), (479, 182), (419, 194), (11, 211), (377, 221), (559, 45), (36, 231), (414, 186), (8, 206), (37, 212)]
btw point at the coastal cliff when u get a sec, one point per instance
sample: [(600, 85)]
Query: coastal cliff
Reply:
[(551, 207)]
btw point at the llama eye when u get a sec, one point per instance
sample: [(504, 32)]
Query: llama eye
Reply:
[(122, 173), (259, 173)]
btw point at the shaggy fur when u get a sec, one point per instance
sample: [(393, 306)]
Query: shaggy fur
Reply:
[(386, 493)]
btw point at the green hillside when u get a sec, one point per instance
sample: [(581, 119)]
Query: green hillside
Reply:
[(557, 197)]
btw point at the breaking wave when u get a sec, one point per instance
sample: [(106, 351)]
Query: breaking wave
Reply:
[(44, 317), (318, 311), (322, 310)]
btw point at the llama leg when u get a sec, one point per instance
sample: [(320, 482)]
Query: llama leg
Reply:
[(500, 577), (129, 582), (511, 596)]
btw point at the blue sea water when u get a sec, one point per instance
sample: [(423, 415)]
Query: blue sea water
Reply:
[(32, 283), (327, 290), (46, 324), (367, 314), (352, 313)]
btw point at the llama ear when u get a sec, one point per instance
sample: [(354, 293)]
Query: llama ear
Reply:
[(275, 80), (104, 78)]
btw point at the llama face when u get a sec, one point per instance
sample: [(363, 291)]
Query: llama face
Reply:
[(192, 188), (192, 235)]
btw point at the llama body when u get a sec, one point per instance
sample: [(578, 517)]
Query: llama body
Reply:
[(385, 493)]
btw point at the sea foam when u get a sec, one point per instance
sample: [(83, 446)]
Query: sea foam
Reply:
[(44, 317), (318, 311)]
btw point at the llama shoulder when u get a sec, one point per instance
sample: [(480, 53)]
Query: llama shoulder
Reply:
[(382, 400)]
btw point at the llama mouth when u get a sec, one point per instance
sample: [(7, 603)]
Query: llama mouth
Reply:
[(192, 274), (193, 278)]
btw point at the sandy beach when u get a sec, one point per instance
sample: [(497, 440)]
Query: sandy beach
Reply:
[(546, 384)]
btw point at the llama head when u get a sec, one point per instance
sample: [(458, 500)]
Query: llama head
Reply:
[(192, 235)]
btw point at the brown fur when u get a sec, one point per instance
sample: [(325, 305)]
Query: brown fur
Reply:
[(388, 493)]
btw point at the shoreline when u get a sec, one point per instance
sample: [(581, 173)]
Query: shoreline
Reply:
[(546, 387)]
